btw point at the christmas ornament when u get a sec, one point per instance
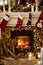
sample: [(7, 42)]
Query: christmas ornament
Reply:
[(29, 19), (19, 23), (4, 22), (39, 23)]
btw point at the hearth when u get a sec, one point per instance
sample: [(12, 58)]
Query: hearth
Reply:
[(23, 41)]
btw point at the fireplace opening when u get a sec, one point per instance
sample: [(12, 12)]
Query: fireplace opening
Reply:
[(23, 41)]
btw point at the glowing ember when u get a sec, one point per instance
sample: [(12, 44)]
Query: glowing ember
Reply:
[(38, 55)]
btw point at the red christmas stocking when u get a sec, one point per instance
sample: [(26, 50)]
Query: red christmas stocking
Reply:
[(29, 19), (19, 23), (39, 23), (4, 22)]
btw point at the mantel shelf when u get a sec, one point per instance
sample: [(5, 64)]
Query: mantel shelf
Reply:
[(24, 14), (14, 16)]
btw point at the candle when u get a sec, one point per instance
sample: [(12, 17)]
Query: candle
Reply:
[(41, 54), (32, 8), (36, 1), (38, 55), (3, 5), (30, 56), (9, 8), (38, 62)]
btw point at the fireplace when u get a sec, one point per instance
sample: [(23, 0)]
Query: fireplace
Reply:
[(23, 41)]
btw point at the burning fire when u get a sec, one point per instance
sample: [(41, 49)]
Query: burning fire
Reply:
[(23, 42)]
